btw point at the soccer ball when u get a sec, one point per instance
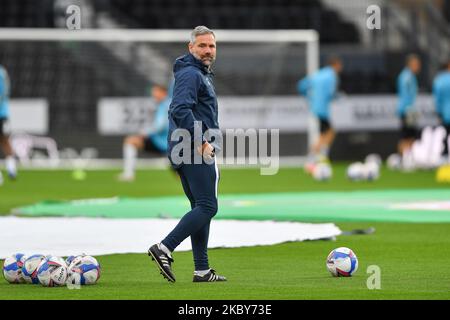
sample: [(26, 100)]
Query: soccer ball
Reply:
[(342, 262), (12, 268), (322, 172), (52, 272), (83, 270), (371, 171), (374, 158), (30, 266), (394, 161), (356, 171)]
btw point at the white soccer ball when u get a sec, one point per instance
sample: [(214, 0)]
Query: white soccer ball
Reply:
[(408, 162), (83, 270), (356, 171), (12, 268), (371, 171), (30, 268), (342, 262), (394, 162), (374, 158), (322, 172), (52, 272)]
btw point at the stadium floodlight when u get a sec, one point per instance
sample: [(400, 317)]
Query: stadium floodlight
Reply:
[(262, 64)]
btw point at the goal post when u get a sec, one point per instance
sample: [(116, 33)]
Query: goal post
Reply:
[(151, 52)]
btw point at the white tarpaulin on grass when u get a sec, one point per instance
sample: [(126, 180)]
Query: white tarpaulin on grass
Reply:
[(99, 236)]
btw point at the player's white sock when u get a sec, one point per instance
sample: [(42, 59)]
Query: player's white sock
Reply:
[(11, 166), (201, 273), (129, 157), (1, 178), (165, 249)]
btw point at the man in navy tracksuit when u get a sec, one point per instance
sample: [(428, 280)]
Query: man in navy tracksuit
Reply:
[(193, 108)]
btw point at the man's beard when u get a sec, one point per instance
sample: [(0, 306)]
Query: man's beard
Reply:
[(206, 60)]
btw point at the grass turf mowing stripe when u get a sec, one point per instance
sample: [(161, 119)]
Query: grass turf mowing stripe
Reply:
[(428, 205)]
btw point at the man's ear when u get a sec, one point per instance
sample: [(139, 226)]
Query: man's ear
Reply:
[(190, 47)]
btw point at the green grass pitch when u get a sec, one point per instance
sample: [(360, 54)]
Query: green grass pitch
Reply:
[(413, 258)]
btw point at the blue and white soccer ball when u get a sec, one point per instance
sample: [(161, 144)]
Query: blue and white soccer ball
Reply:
[(322, 172), (342, 262), (83, 270), (30, 268), (52, 272), (12, 268)]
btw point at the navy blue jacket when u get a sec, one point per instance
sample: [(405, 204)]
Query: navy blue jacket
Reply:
[(194, 98)]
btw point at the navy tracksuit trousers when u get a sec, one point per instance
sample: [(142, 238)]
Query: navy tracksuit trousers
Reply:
[(200, 186)]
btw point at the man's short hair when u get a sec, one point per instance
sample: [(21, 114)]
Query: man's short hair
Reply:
[(200, 30)]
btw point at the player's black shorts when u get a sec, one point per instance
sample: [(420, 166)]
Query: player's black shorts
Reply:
[(324, 125), (149, 146), (407, 131), (4, 127)]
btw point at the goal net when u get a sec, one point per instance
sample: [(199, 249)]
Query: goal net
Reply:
[(96, 82)]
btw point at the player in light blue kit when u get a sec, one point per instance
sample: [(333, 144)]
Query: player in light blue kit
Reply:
[(156, 137), (320, 89), (407, 93), (441, 93), (4, 125)]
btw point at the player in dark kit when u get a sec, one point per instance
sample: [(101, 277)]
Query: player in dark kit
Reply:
[(194, 100)]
